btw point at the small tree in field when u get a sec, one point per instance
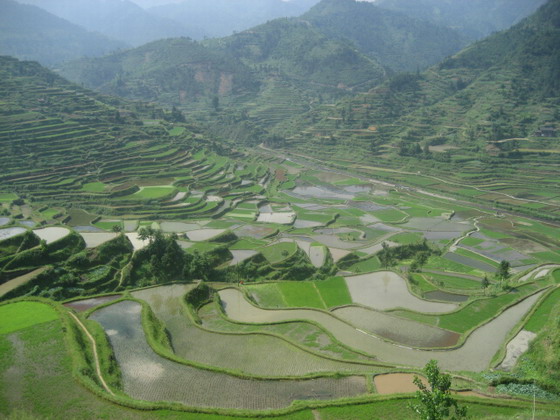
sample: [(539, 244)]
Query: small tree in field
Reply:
[(435, 402)]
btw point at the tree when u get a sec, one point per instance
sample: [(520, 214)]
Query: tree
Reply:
[(503, 270), (485, 283), (116, 228), (435, 402)]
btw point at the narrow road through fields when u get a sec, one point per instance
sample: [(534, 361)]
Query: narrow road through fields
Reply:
[(95, 356)]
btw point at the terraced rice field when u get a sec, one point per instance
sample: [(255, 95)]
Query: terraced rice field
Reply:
[(150, 377), (387, 290), (94, 239), (200, 235), (474, 355), (52, 234), (276, 357), (8, 233), (408, 333)]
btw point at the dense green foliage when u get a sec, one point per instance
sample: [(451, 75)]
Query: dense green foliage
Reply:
[(435, 401)]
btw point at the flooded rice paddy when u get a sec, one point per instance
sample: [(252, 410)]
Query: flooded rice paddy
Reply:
[(384, 290), (178, 227), (148, 376), (229, 351), (475, 354), (4, 221), (52, 234), (11, 232), (399, 330), (200, 235), (87, 304), (94, 239)]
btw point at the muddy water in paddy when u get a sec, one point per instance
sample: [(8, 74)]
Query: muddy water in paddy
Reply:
[(148, 376), (384, 290), (474, 355), (396, 383), (449, 297)]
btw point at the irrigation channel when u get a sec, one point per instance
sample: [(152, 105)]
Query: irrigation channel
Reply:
[(474, 355)]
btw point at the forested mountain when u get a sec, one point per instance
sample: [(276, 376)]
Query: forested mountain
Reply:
[(118, 19), (30, 33), (269, 74), (220, 18), (474, 18), (394, 39)]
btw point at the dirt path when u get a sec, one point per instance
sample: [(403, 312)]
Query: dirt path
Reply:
[(95, 356)]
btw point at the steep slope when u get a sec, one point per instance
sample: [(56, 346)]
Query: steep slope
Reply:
[(475, 18), (394, 39), (122, 19), (31, 33), (174, 71), (64, 146), (487, 116), (219, 18)]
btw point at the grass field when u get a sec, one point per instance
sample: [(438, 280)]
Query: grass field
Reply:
[(453, 282), (334, 291), (279, 251), (540, 317), (94, 187), (7, 197), (321, 294), (20, 315)]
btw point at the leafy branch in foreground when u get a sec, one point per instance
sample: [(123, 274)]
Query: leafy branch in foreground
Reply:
[(435, 402)]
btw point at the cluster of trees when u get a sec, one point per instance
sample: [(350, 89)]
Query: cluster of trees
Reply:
[(419, 252)]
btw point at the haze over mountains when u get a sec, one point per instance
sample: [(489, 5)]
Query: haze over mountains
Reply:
[(31, 33)]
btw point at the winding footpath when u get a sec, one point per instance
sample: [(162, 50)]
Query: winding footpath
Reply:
[(95, 356)]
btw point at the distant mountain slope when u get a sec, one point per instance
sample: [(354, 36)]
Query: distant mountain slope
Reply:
[(219, 18), (30, 33), (475, 18), (394, 39), (119, 19), (172, 71), (488, 116), (180, 71)]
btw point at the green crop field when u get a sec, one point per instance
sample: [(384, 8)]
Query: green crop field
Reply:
[(279, 252), (334, 292), (17, 316)]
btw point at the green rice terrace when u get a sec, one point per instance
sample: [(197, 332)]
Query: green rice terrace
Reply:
[(171, 277)]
